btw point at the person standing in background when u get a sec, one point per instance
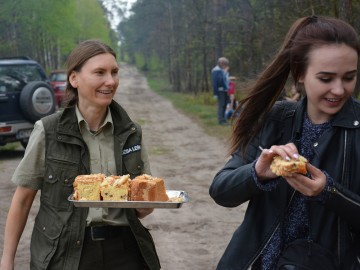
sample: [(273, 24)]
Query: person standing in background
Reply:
[(220, 81), (232, 103)]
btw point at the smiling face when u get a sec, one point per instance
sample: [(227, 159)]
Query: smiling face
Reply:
[(97, 81), (329, 80)]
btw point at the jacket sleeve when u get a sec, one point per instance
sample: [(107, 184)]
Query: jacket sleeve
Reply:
[(234, 184)]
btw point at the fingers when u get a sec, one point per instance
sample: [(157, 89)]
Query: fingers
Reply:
[(308, 186), (262, 166), (314, 172), (287, 151)]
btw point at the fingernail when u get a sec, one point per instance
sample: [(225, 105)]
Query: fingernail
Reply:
[(287, 158), (270, 151), (296, 156)]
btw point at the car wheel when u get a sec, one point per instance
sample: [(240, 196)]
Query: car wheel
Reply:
[(37, 100)]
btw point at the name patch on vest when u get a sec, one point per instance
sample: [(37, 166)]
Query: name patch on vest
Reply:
[(131, 149)]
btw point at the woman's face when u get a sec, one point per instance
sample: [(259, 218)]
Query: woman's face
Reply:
[(329, 80), (97, 81)]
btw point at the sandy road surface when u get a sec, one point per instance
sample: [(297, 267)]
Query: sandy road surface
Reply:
[(191, 237)]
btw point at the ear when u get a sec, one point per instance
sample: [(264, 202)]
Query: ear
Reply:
[(73, 80)]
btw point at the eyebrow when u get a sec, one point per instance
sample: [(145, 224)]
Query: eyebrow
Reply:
[(332, 73)]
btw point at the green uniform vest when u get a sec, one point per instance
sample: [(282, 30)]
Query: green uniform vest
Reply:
[(59, 227)]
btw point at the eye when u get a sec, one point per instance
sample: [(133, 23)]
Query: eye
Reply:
[(349, 78), (325, 79), (99, 72)]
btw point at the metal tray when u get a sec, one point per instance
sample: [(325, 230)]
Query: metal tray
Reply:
[(177, 198)]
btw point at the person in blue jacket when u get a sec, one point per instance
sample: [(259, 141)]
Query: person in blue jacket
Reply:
[(220, 81), (320, 208)]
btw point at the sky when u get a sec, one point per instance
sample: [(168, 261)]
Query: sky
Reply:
[(115, 18)]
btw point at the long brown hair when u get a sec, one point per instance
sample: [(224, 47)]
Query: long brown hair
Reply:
[(78, 57), (292, 58)]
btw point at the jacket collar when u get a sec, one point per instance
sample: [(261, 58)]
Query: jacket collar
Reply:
[(347, 117)]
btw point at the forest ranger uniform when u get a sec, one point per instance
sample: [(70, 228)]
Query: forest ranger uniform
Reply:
[(59, 228)]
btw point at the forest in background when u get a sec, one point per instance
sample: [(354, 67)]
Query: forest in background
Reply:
[(177, 39), (184, 38), (47, 30)]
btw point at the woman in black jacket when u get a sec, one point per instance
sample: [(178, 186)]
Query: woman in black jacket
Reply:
[(321, 54)]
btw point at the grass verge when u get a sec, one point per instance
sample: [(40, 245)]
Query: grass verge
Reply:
[(10, 146)]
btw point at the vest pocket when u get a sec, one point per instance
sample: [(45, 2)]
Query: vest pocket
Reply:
[(133, 164), (45, 239), (58, 183)]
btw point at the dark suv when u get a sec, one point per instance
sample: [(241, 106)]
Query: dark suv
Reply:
[(25, 97)]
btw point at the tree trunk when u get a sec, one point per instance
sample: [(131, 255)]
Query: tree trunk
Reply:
[(219, 7), (345, 10)]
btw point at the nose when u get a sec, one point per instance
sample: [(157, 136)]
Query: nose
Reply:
[(338, 87), (111, 79)]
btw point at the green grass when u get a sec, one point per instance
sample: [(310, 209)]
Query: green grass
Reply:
[(202, 108), (10, 146)]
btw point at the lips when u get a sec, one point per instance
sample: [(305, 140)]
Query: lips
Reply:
[(333, 102), (333, 99), (105, 92)]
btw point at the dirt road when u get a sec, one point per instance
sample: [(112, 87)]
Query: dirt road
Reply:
[(191, 237)]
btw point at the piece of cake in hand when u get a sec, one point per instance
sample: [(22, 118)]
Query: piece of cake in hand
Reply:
[(148, 188), (282, 167), (87, 187), (115, 188)]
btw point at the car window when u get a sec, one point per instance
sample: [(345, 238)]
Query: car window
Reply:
[(14, 77)]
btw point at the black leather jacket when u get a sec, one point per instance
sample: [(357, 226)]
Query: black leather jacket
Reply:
[(334, 224)]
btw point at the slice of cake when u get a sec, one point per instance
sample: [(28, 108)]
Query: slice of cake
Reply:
[(115, 188), (87, 187), (148, 188), (282, 167)]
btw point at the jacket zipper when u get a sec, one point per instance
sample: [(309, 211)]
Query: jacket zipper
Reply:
[(267, 242), (343, 182), (335, 191)]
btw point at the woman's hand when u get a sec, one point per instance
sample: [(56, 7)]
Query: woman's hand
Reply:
[(143, 212), (308, 186), (262, 166)]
